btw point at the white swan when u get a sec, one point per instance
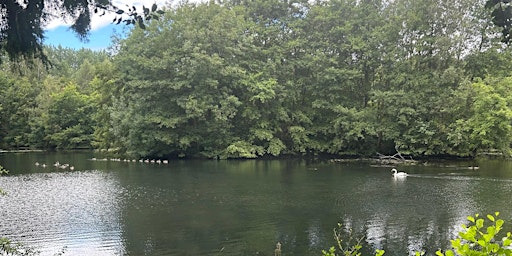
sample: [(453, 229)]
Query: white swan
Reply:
[(398, 174)]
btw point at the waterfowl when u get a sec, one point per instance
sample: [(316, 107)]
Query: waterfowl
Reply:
[(396, 173)]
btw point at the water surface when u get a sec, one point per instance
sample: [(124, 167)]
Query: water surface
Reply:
[(240, 207)]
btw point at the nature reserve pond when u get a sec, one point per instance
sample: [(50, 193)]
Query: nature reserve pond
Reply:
[(240, 207)]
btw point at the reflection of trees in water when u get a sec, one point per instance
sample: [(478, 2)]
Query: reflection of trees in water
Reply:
[(425, 212), (245, 207)]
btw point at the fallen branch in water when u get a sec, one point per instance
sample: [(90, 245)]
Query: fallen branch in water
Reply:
[(397, 158)]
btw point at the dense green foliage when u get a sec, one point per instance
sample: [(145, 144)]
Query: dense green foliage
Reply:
[(51, 108), (244, 79)]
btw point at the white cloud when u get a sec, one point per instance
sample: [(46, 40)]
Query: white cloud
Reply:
[(98, 21)]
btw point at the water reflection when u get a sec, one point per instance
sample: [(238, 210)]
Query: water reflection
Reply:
[(78, 212), (240, 207)]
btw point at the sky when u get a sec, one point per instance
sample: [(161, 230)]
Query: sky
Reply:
[(99, 38), (57, 32)]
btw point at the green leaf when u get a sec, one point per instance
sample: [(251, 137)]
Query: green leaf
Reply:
[(491, 231), (456, 243), (379, 252), (488, 237), (479, 223), (490, 217), (467, 236), (493, 248), (499, 224)]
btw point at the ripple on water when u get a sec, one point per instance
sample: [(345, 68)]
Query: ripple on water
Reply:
[(78, 212)]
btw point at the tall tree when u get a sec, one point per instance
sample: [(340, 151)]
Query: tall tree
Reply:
[(17, 101), (180, 85), (70, 122)]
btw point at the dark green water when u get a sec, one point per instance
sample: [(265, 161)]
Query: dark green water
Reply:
[(240, 207)]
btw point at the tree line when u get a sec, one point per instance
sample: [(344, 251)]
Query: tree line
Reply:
[(252, 78)]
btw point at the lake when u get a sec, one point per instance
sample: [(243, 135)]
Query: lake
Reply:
[(241, 207)]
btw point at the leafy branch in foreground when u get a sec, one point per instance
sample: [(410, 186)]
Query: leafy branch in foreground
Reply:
[(477, 239), (9, 248), (350, 248)]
